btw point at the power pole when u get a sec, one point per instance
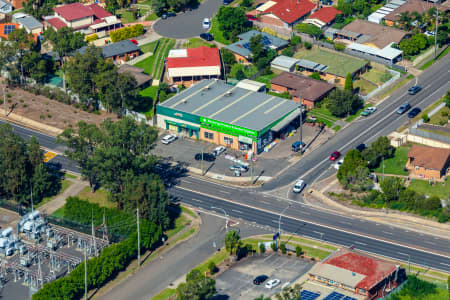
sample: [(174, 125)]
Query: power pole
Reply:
[(202, 161), (93, 234), (139, 238), (85, 273), (251, 169)]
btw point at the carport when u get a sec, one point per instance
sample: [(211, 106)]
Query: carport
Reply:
[(184, 129), (284, 123)]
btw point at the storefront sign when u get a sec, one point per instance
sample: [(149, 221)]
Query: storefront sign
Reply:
[(245, 139), (221, 126)]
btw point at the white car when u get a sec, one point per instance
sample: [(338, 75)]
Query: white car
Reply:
[(206, 23), (299, 186), (167, 139), (338, 164), (218, 150), (272, 283)]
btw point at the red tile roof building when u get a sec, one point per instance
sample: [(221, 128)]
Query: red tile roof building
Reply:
[(358, 272), (323, 16), (286, 13), (428, 162), (187, 66), (83, 17)]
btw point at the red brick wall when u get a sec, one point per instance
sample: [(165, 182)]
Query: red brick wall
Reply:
[(17, 3), (278, 88), (271, 21)]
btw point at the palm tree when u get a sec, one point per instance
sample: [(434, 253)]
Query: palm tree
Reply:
[(405, 19)]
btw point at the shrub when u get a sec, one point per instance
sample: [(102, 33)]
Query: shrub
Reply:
[(298, 250), (307, 45), (91, 38), (339, 46), (283, 248), (212, 267), (126, 33), (273, 246), (295, 40), (425, 118), (262, 248)]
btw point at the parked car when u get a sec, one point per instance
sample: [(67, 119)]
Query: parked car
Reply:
[(226, 2), (403, 108), (167, 139), (238, 167), (338, 164), (206, 23), (297, 146), (299, 186), (335, 155), (206, 157), (414, 112), (252, 18), (218, 150), (206, 36), (272, 283), (260, 279), (134, 41), (368, 111), (361, 147), (414, 90)]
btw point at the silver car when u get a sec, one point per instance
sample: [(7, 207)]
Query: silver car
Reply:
[(299, 186), (168, 139)]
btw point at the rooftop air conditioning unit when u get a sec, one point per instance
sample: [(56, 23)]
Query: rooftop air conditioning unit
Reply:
[(206, 88), (228, 93)]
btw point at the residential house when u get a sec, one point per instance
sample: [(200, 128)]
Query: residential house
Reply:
[(305, 89), (85, 18), (365, 276), (410, 6), (119, 52), (5, 7), (188, 66), (241, 49), (379, 14), (28, 22), (7, 28), (284, 13), (143, 80), (323, 17), (428, 162)]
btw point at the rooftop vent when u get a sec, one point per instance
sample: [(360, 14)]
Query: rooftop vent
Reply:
[(184, 101), (228, 94), (206, 88)]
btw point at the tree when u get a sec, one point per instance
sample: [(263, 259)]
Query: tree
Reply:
[(232, 21), (447, 99), (348, 82), (353, 173), (232, 242), (315, 75), (307, 45), (290, 292), (283, 248), (39, 8), (431, 203), (310, 29), (377, 150), (391, 187), (262, 248), (22, 42), (36, 67), (197, 287), (261, 56), (343, 102), (298, 250), (295, 40), (339, 46), (262, 298), (228, 59), (240, 74), (212, 267)]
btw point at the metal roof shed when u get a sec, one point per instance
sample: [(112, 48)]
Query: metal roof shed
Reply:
[(284, 63)]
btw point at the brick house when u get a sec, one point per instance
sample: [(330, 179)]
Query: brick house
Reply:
[(428, 162), (118, 52), (306, 89)]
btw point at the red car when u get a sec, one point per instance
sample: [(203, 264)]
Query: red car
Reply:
[(134, 41), (252, 18), (335, 155)]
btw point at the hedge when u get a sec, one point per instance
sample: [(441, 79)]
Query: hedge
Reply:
[(103, 268), (126, 33)]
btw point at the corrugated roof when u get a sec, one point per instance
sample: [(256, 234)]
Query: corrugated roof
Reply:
[(410, 6), (290, 10), (73, 11), (284, 61), (214, 99), (387, 52), (242, 47), (307, 64), (195, 57), (325, 14), (99, 12), (30, 22), (56, 22), (115, 49)]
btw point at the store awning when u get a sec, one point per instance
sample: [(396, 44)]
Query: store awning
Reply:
[(288, 119), (183, 125)]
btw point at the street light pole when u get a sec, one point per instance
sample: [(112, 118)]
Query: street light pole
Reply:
[(300, 126), (279, 221), (202, 161), (226, 216)]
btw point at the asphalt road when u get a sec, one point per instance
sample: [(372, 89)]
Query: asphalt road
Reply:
[(188, 24)]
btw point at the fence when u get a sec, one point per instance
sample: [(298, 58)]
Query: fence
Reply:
[(396, 75), (425, 132), (282, 32)]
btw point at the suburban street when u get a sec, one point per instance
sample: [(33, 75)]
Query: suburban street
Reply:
[(260, 206), (188, 24)]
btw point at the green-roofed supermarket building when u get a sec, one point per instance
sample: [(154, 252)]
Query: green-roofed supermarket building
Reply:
[(227, 115)]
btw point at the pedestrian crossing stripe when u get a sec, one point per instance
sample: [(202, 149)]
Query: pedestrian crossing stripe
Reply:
[(48, 156)]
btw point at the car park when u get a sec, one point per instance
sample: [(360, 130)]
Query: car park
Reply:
[(207, 36), (403, 108), (167, 139), (241, 168), (272, 283), (361, 147), (414, 112), (338, 164), (414, 90), (335, 155), (206, 23), (299, 186), (368, 111), (260, 279), (206, 157), (219, 150)]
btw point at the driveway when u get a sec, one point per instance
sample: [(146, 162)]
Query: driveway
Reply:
[(189, 24)]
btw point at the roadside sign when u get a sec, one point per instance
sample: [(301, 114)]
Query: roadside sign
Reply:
[(48, 156)]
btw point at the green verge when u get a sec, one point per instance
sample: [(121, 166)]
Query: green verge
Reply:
[(424, 187), (217, 33), (100, 196), (396, 164), (432, 61), (165, 294), (64, 186), (149, 47), (397, 86)]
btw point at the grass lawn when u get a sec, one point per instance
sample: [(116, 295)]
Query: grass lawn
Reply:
[(302, 240), (180, 223), (59, 213), (165, 294), (100, 197), (148, 96), (217, 258), (217, 33), (322, 114), (127, 16), (64, 186), (338, 64), (432, 61), (67, 175), (147, 64), (375, 76), (396, 164), (197, 42), (365, 87), (151, 17), (266, 79), (397, 86), (149, 47), (164, 52), (441, 117), (423, 186)]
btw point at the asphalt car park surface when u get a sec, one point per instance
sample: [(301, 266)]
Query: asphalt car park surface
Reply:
[(237, 282), (188, 24)]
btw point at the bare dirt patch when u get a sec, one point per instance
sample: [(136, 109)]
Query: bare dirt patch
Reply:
[(47, 111)]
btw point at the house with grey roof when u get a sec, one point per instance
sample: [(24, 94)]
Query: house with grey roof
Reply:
[(29, 23), (284, 63), (119, 52), (241, 49), (5, 7)]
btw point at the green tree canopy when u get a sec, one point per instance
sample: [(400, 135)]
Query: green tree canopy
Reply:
[(348, 82), (197, 287), (391, 187), (354, 173), (232, 21), (310, 29), (343, 102), (233, 242), (380, 148)]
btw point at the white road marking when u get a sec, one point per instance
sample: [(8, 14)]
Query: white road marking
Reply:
[(318, 232), (304, 212), (225, 192), (356, 242), (265, 202), (238, 211), (198, 200), (387, 232), (343, 222), (276, 221), (401, 253), (445, 264), (431, 243)]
